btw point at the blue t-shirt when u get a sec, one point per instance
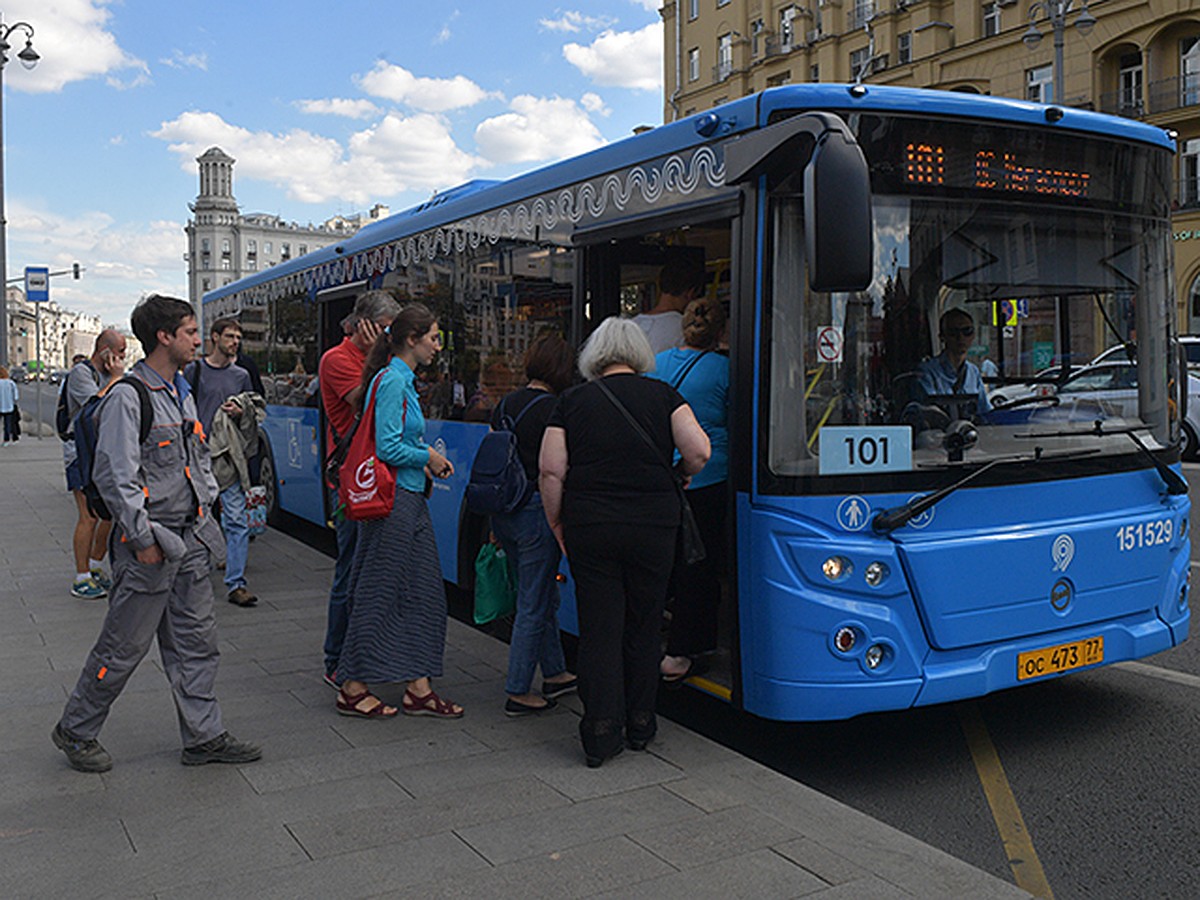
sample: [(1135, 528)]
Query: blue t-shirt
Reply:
[(706, 389), (937, 376), (400, 425)]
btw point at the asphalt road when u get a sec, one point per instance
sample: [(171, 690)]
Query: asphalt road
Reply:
[(1102, 765)]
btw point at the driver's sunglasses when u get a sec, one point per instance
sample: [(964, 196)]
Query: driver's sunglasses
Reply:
[(960, 331)]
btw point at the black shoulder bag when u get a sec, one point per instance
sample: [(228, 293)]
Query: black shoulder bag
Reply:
[(691, 545)]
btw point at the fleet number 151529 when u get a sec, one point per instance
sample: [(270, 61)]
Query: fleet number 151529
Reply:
[(1144, 534)]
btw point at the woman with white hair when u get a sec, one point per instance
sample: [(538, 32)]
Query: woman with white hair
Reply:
[(611, 499)]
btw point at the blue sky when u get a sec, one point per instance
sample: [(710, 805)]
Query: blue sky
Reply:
[(328, 107)]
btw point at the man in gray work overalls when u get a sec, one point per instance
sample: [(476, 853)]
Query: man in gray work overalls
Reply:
[(163, 546)]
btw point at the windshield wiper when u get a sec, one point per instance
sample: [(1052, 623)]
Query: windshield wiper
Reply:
[(891, 519), (1175, 484)]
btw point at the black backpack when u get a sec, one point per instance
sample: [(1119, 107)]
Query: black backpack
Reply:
[(498, 482), (87, 431), (63, 423)]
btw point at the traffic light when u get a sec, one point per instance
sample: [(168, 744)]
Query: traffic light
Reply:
[(75, 267)]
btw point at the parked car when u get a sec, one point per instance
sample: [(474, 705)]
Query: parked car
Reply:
[(1114, 384), (1189, 342)]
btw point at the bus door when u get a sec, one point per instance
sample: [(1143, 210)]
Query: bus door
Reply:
[(622, 266)]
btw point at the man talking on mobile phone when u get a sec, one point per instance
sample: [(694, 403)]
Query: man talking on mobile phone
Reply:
[(86, 379)]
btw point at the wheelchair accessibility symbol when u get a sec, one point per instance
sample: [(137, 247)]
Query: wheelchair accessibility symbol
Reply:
[(853, 513), (924, 518)]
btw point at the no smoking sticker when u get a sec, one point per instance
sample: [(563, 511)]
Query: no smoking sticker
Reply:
[(829, 344)]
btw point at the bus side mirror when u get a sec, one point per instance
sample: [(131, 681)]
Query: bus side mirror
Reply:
[(837, 216)]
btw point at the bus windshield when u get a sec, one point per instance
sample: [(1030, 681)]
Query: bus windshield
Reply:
[(974, 340)]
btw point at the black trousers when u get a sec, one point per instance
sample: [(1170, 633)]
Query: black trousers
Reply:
[(621, 574), (694, 617)]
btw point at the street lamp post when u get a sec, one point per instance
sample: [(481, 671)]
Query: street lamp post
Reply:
[(28, 58), (1056, 12)]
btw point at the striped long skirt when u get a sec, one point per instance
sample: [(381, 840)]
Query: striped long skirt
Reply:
[(397, 626)]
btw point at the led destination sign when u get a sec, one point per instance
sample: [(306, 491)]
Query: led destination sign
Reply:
[(993, 170)]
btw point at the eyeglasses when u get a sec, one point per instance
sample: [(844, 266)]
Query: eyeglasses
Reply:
[(959, 331)]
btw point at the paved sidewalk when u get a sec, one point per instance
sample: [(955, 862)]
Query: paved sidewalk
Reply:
[(485, 806)]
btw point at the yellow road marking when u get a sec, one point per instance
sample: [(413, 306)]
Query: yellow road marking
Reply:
[(1018, 846)]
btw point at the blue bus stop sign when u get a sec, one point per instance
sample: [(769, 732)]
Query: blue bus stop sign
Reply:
[(37, 284)]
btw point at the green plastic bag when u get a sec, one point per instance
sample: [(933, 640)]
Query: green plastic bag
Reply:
[(495, 586)]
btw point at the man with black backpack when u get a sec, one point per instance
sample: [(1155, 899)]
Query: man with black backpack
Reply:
[(155, 479), (91, 377)]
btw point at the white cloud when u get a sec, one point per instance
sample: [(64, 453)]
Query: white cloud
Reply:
[(537, 129), (574, 22), (396, 155), (181, 60), (445, 34), (629, 59), (649, 5), (351, 109), (594, 104), (74, 44), (120, 261), (427, 94)]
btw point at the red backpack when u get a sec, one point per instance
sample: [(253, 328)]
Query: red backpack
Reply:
[(366, 484)]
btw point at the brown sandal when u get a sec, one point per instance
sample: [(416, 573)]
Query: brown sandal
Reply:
[(430, 705), (348, 705)]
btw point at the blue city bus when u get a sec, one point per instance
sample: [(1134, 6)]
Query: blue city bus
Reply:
[(893, 543)]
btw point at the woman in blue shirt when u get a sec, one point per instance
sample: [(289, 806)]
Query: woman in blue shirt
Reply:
[(701, 375), (397, 626)]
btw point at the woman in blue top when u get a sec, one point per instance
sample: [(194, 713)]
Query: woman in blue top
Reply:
[(701, 375), (397, 626)]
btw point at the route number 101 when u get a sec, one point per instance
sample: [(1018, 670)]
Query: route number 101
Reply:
[(865, 449)]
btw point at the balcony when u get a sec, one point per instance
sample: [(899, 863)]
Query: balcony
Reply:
[(1174, 93), (721, 72), (1122, 103), (780, 45)]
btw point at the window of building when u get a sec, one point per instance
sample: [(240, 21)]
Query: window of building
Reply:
[(1189, 71), (226, 264), (814, 73), (781, 78), (1039, 84), (252, 265), (693, 9), (724, 56), (757, 27), (904, 48), (204, 245), (991, 19), (285, 250), (861, 13), (266, 247), (1129, 79), (303, 249), (694, 64), (858, 63), (720, 101), (206, 284), (251, 247), (225, 247), (787, 28), (722, 3), (1189, 173)]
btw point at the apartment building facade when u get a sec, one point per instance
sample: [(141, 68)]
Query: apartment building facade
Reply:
[(1134, 58)]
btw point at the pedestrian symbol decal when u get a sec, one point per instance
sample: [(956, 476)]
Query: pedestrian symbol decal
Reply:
[(853, 513)]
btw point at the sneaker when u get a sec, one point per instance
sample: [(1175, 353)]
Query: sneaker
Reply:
[(101, 579), (83, 756), (242, 597), (552, 689), (331, 680), (88, 589), (224, 748)]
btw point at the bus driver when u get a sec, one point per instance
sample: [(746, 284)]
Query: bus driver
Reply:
[(950, 373)]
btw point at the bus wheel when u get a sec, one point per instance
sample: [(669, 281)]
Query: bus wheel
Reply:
[(268, 481)]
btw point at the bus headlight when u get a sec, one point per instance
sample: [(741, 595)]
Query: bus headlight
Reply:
[(875, 573), (844, 639), (836, 568), (874, 656)]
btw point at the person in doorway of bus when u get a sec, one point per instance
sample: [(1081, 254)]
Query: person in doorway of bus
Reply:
[(397, 626), (339, 375), (679, 283), (9, 395), (610, 497), (950, 372), (95, 375), (528, 541), (701, 375), (214, 379), (160, 492)]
